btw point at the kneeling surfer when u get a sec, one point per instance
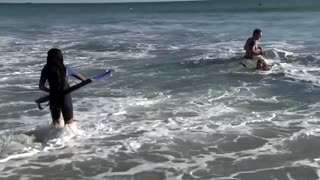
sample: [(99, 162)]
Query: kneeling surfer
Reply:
[(255, 52)]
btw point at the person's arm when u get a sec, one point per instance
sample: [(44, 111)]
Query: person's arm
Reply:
[(73, 73), (255, 50), (42, 81), (79, 76), (42, 87), (261, 50)]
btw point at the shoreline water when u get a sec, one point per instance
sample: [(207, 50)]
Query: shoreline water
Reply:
[(178, 106)]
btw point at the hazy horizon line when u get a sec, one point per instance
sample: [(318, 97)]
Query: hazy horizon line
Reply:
[(116, 2)]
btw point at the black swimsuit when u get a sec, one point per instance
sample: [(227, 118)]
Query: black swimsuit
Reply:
[(59, 102)]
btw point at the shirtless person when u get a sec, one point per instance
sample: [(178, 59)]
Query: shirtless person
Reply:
[(254, 52)]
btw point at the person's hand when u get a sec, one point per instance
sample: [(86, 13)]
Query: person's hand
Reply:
[(261, 52)]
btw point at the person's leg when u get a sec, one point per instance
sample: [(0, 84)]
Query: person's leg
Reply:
[(67, 110), (55, 115), (264, 64), (261, 63)]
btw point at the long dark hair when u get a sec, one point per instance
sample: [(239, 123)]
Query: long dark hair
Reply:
[(57, 71)]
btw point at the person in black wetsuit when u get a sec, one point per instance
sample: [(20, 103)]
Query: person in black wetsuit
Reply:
[(56, 73)]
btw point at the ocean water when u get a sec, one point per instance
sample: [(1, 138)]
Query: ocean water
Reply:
[(179, 105)]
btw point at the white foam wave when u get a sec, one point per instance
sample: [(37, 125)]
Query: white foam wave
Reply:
[(302, 73), (19, 156)]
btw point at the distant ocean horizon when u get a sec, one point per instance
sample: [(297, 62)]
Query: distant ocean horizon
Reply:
[(203, 5), (101, 2)]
